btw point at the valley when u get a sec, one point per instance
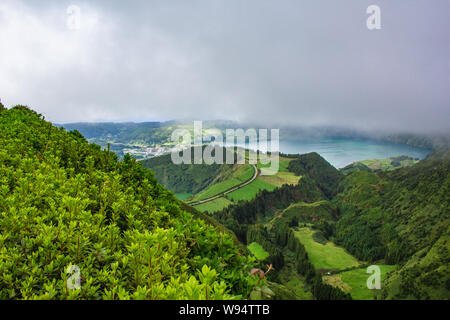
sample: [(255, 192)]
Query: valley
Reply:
[(317, 216), (339, 242), (317, 226)]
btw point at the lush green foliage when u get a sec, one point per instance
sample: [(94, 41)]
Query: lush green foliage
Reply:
[(355, 282), (239, 175), (66, 202), (319, 170), (258, 251), (183, 178), (214, 205), (401, 216), (237, 217), (325, 256), (314, 212), (250, 191), (377, 165), (277, 237)]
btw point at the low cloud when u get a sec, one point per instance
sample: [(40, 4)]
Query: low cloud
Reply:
[(270, 62)]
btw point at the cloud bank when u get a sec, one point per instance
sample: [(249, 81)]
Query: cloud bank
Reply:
[(270, 62)]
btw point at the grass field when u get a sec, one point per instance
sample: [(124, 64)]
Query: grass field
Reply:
[(251, 190), (308, 212), (240, 175), (248, 192), (328, 256), (281, 178), (354, 282), (386, 164), (283, 164), (258, 251), (183, 196), (213, 206)]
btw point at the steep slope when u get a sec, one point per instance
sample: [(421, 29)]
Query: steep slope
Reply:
[(184, 178), (202, 180), (66, 203), (257, 222), (401, 216), (398, 218), (319, 170)]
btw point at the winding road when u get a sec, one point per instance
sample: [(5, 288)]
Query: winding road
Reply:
[(220, 195)]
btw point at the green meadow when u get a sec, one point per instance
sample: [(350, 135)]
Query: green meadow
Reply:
[(251, 190), (258, 251), (281, 178), (183, 196), (214, 205), (355, 282), (267, 182), (247, 193), (240, 175), (325, 256)]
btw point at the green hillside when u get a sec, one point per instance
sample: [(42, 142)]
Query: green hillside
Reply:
[(323, 210), (376, 165), (226, 180), (66, 202), (311, 218), (401, 216), (184, 178), (318, 169), (250, 191), (396, 219), (355, 282), (214, 205)]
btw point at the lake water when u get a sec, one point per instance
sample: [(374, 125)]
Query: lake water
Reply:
[(342, 151)]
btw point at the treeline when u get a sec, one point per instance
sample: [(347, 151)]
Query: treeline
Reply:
[(237, 217), (374, 206), (285, 237), (282, 236), (401, 216), (242, 218), (257, 233)]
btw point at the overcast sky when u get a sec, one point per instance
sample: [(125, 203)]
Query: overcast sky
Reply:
[(274, 62)]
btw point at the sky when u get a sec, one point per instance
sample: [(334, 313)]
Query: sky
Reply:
[(285, 62)]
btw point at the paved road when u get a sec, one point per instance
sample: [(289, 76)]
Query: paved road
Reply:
[(255, 175)]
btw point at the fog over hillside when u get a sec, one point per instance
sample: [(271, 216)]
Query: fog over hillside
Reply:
[(308, 63)]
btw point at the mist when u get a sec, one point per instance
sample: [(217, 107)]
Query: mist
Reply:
[(272, 63)]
